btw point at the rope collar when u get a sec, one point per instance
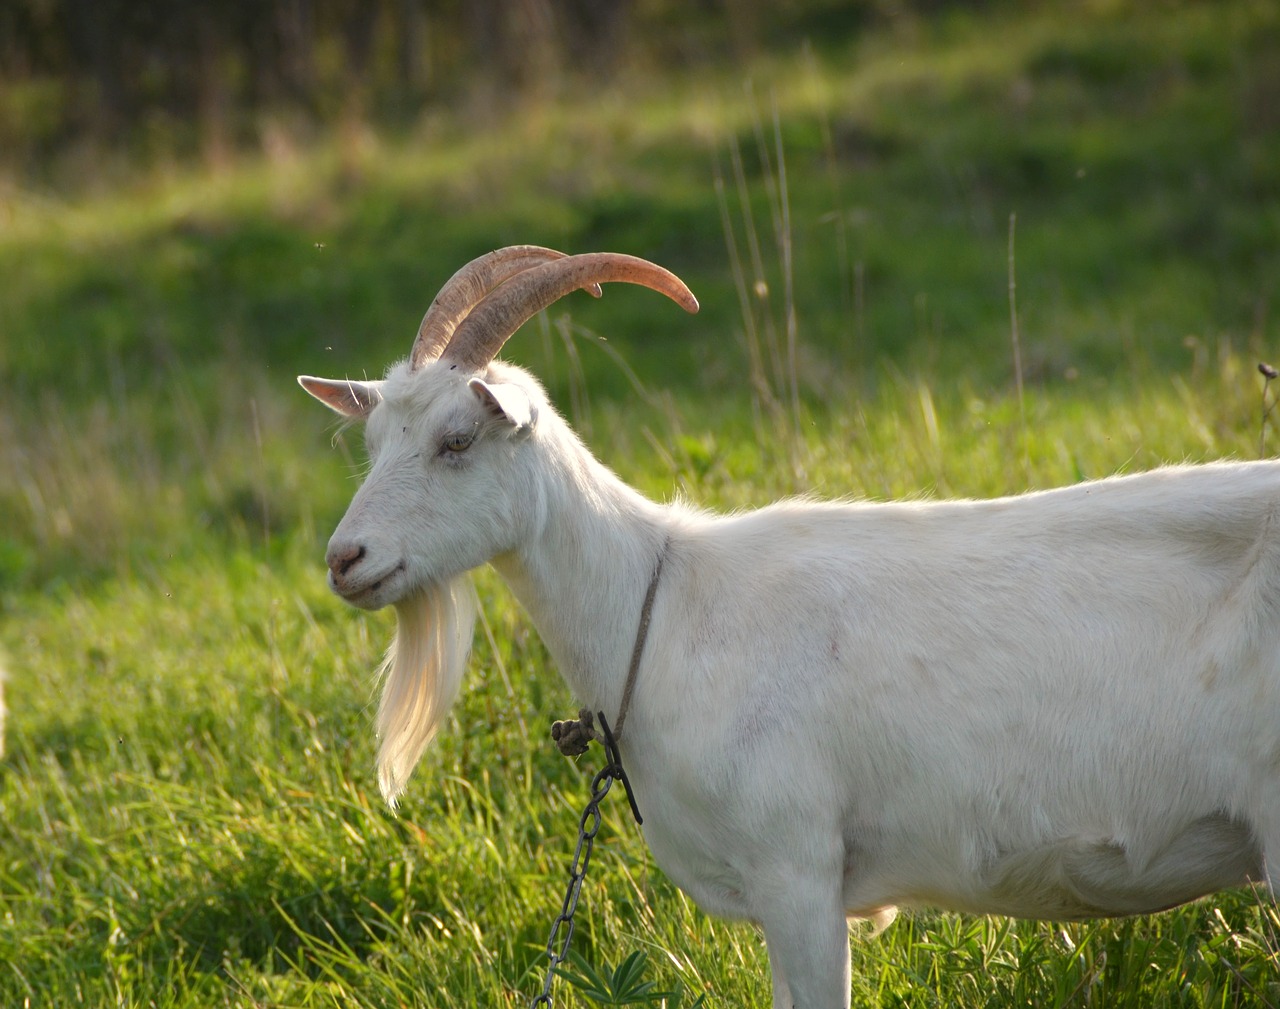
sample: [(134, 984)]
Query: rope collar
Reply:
[(573, 736), (642, 635)]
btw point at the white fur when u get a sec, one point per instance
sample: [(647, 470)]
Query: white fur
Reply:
[(1059, 705), (421, 675)]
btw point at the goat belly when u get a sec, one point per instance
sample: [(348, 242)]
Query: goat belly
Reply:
[(1082, 878)]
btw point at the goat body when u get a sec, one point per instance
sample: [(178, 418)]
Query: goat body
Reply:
[(1059, 705)]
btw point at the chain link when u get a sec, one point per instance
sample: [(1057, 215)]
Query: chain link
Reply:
[(588, 827)]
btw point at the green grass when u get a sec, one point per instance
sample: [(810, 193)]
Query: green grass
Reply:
[(189, 815)]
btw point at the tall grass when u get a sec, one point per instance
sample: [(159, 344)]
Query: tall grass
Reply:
[(189, 815)]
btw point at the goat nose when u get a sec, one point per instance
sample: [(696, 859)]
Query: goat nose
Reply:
[(342, 557)]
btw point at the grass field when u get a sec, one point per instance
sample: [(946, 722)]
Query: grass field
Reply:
[(188, 813)]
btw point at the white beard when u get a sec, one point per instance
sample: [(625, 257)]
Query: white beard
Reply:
[(420, 676)]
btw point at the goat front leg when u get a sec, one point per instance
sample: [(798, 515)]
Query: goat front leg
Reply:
[(781, 990), (808, 943), (1266, 828)]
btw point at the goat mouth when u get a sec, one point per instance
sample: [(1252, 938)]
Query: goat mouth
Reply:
[(370, 593)]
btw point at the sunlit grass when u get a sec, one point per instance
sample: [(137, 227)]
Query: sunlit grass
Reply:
[(189, 809)]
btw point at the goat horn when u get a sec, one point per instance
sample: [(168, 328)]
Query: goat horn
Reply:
[(466, 288), (492, 322)]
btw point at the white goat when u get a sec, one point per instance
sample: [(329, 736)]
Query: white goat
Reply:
[(1060, 705)]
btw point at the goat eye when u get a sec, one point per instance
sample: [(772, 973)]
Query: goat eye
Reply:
[(458, 441)]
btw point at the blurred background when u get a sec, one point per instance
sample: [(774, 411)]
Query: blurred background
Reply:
[(179, 81)]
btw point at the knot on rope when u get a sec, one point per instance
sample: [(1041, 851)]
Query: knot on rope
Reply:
[(573, 735)]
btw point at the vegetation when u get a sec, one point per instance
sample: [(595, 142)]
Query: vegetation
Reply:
[(169, 80), (187, 811)]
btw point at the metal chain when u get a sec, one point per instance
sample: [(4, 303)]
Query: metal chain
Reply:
[(588, 827)]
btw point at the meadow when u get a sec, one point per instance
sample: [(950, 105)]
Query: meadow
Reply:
[(962, 256)]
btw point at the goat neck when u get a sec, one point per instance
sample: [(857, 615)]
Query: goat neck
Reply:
[(583, 573)]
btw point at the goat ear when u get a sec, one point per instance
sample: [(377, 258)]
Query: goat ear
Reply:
[(509, 403), (349, 398)]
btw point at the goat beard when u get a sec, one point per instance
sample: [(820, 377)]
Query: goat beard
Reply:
[(420, 676)]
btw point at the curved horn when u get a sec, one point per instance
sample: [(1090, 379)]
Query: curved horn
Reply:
[(491, 323), (466, 288)]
